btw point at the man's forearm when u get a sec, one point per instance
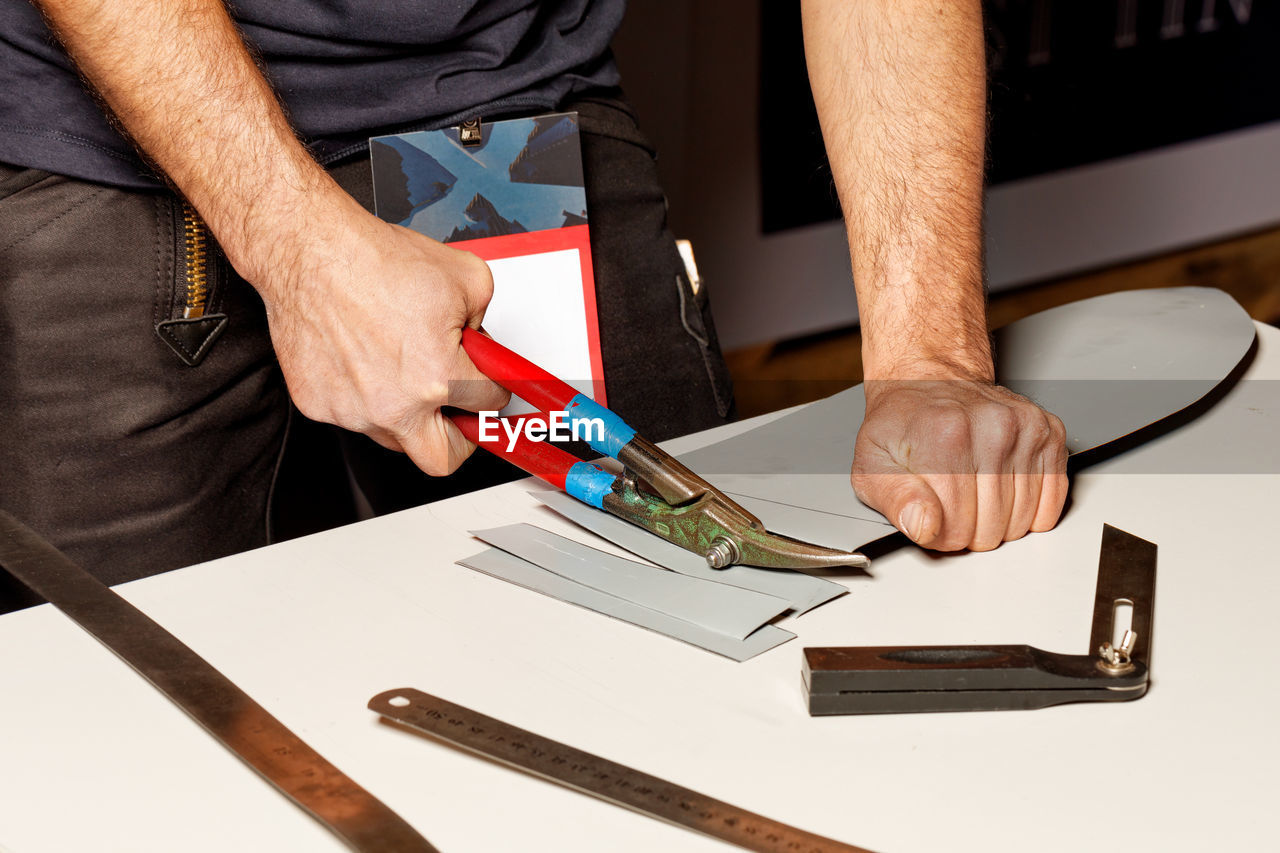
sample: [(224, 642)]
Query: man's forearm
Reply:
[(953, 460), (901, 93), (180, 81)]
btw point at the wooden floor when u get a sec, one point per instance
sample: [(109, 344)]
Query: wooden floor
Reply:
[(773, 376)]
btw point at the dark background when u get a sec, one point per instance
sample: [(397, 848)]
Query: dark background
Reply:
[(1071, 82)]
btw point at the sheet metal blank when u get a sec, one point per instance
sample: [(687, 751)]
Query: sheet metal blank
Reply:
[(906, 679)]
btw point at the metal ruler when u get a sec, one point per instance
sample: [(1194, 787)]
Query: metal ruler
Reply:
[(599, 777), (208, 696)]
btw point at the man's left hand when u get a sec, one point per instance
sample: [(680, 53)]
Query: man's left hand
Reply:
[(960, 464)]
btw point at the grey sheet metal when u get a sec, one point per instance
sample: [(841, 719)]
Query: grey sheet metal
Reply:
[(710, 604), (803, 592), (510, 568), (1108, 366)]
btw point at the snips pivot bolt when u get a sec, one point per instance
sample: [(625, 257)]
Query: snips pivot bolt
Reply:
[(723, 552)]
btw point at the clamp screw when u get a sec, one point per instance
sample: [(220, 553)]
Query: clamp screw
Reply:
[(723, 552), (1116, 659)]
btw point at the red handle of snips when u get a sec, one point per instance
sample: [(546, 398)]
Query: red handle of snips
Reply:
[(531, 383)]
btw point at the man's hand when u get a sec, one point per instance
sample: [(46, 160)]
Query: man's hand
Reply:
[(367, 323), (366, 317), (960, 464)]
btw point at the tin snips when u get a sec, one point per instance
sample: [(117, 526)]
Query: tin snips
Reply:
[(654, 490)]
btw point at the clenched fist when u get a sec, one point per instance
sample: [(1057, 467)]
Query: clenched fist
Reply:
[(960, 464)]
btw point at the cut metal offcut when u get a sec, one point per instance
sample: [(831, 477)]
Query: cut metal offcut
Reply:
[(510, 568), (718, 607)]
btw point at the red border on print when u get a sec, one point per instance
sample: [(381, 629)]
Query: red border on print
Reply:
[(553, 240)]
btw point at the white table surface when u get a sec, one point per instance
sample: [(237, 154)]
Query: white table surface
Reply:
[(93, 758)]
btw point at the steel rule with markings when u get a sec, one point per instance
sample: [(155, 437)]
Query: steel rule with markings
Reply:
[(590, 774), (208, 696)]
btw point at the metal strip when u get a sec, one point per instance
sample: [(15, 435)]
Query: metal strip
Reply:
[(724, 609), (512, 569), (208, 696), (599, 777)]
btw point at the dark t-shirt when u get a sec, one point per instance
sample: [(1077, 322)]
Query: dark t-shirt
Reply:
[(345, 69)]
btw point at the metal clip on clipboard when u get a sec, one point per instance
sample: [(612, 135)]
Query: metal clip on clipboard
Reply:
[(908, 679)]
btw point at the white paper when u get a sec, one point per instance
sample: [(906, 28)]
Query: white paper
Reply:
[(538, 311)]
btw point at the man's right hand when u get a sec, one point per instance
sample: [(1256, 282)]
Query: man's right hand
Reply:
[(366, 318)]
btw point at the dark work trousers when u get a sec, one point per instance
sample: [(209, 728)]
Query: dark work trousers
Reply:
[(134, 462)]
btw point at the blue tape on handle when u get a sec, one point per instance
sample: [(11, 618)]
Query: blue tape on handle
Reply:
[(591, 416), (588, 483)]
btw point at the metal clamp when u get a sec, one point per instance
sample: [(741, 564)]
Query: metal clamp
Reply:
[(470, 133)]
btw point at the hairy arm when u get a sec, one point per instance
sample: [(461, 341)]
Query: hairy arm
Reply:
[(954, 460), (366, 317)]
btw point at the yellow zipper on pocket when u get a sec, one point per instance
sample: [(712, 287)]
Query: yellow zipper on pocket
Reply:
[(196, 242)]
